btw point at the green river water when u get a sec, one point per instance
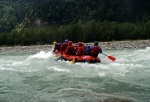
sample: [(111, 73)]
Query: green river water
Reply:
[(37, 77)]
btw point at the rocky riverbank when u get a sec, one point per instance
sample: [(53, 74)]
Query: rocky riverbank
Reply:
[(125, 44), (104, 45), (32, 48)]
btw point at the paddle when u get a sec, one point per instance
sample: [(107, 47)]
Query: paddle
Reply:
[(56, 55), (73, 60), (59, 57), (110, 57)]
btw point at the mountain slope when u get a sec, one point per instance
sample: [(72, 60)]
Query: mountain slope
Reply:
[(13, 12), (70, 11), (56, 12)]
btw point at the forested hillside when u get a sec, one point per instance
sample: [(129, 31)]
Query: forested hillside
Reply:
[(68, 11), (28, 22), (12, 12)]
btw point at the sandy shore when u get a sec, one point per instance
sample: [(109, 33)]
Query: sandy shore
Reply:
[(104, 45)]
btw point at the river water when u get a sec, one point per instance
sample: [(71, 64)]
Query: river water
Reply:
[(38, 77)]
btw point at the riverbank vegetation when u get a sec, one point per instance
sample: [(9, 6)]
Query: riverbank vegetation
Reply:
[(86, 32), (35, 22)]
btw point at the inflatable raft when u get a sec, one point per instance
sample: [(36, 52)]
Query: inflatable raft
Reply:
[(83, 58)]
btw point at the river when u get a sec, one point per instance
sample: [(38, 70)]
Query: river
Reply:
[(38, 77)]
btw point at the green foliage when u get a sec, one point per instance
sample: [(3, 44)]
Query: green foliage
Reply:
[(86, 32), (11, 13), (71, 11), (26, 22), (57, 12)]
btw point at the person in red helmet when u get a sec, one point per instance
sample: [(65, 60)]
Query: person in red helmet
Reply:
[(95, 50), (64, 46), (80, 49), (70, 49)]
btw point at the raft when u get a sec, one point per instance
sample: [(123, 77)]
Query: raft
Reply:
[(83, 58)]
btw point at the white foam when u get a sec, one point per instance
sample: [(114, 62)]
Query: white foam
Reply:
[(41, 55), (18, 63), (7, 69), (102, 74), (59, 69)]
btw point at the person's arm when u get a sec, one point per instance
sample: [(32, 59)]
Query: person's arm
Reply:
[(100, 50), (54, 48), (61, 47)]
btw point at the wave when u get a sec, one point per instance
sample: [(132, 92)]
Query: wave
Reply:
[(42, 55), (54, 68)]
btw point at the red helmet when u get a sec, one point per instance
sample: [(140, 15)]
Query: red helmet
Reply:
[(70, 42), (80, 43)]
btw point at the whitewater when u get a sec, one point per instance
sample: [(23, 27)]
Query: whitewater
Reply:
[(38, 77)]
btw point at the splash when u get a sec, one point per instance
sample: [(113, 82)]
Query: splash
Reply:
[(19, 63), (127, 76), (58, 69), (41, 55)]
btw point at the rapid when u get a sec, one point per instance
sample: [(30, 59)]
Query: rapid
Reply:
[(38, 77)]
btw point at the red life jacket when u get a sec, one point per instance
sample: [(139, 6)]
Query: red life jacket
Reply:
[(84, 47), (63, 47), (80, 51), (95, 50), (70, 50)]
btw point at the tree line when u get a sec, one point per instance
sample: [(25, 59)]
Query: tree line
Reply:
[(86, 32), (26, 22), (58, 12), (13, 12), (70, 11)]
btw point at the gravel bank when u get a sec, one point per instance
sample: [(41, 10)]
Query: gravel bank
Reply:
[(33, 48), (125, 44), (104, 45)]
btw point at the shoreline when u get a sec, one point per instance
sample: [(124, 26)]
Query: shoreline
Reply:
[(133, 44)]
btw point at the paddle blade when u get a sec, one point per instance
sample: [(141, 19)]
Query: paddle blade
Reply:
[(58, 58), (56, 55), (112, 58), (73, 61)]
